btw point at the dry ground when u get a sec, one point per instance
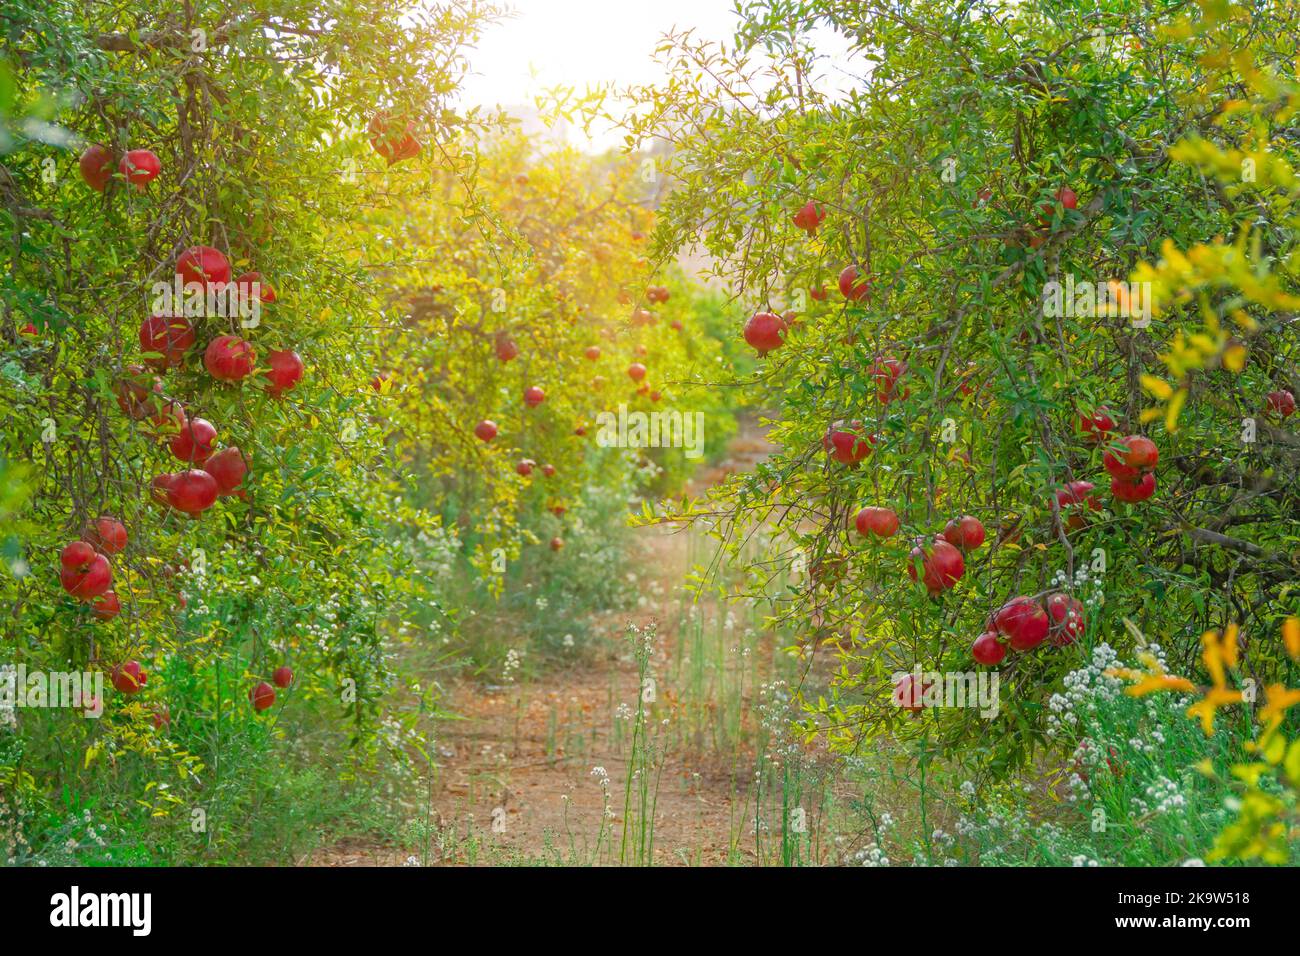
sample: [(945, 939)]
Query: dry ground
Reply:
[(523, 756)]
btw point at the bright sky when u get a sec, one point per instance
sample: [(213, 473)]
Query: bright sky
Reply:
[(583, 42)]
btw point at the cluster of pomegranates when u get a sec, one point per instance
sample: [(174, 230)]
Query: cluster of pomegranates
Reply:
[(526, 466), (506, 350), (212, 475), (166, 340), (1025, 622), (941, 563), (139, 167), (1130, 461), (486, 430), (262, 696), (85, 572), (208, 472), (1132, 468)]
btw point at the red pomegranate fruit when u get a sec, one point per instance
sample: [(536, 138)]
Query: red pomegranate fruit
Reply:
[(851, 287), (965, 533), (1067, 622), (847, 442), (262, 696), (107, 534), (129, 678), (881, 522), (193, 443), (284, 371), (140, 167), (96, 164), (765, 331), (1023, 621), (227, 468), (204, 266), (809, 217), (1132, 490), (192, 492), (987, 649), (84, 578), (942, 565), (167, 338), (106, 606), (229, 358)]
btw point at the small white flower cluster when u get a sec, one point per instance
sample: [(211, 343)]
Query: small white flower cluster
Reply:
[(774, 709), (1083, 860), (16, 851), (1077, 789), (1085, 586), (873, 855), (1144, 746), (999, 831), (514, 659), (1083, 690), (9, 709), (1164, 796)]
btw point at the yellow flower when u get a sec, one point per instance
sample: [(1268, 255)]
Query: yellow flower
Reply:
[(1208, 706), (1279, 699), (1291, 637), (1156, 683)]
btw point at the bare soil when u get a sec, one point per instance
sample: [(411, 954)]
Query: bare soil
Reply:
[(511, 760)]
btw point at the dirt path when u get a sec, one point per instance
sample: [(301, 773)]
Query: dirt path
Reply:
[(518, 781)]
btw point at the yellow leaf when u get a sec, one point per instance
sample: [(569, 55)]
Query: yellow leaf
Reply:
[(1291, 637), (1175, 409), (1275, 749), (1292, 762), (1234, 358), (1157, 387), (1244, 321)]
